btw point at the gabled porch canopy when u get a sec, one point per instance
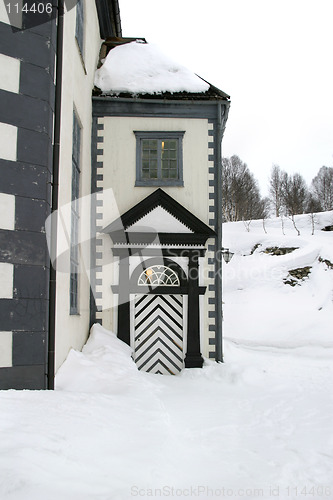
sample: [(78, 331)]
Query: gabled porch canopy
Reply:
[(173, 225)]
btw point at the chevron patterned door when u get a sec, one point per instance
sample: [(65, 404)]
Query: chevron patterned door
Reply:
[(158, 333)]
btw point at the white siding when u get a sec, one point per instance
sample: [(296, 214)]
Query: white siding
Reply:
[(8, 141), (6, 280), (10, 73), (78, 75), (7, 211), (6, 342), (17, 20), (119, 157)]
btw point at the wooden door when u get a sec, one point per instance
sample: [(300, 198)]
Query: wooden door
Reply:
[(158, 333)]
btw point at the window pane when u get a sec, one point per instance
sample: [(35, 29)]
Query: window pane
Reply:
[(153, 144), (171, 144), (159, 157)]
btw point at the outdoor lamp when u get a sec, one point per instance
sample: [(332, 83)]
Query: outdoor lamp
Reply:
[(227, 255)]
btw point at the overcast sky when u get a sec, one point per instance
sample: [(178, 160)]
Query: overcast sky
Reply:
[(273, 57)]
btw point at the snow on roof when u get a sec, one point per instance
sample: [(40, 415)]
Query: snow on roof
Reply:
[(142, 68)]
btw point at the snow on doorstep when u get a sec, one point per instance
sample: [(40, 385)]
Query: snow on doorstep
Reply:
[(141, 68)]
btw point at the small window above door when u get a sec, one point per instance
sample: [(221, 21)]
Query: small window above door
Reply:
[(158, 276), (159, 158)]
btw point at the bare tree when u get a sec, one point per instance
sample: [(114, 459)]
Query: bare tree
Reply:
[(312, 207), (240, 192), (322, 188), (275, 189), (295, 195), (265, 208)]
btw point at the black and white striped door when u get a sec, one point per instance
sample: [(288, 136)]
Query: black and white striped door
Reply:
[(158, 333)]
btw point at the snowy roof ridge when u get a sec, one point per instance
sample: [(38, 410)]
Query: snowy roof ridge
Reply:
[(142, 68)]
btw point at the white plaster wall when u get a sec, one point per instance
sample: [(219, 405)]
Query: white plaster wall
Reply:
[(6, 280), (119, 172), (6, 341), (78, 76), (17, 21), (7, 211), (8, 141), (10, 73), (119, 160), (3, 13)]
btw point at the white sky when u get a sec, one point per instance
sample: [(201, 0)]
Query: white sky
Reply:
[(273, 57)]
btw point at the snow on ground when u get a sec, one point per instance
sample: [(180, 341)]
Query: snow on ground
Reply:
[(257, 426), (141, 68), (271, 312)]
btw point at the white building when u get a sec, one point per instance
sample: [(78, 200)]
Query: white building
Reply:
[(157, 133), (133, 178)]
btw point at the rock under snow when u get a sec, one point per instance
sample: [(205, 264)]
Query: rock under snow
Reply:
[(142, 68)]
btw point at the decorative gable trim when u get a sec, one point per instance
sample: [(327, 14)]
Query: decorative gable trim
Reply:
[(117, 229), (159, 220)]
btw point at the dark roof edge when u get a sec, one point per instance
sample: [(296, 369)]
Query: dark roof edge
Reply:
[(212, 94), (214, 89), (109, 18)]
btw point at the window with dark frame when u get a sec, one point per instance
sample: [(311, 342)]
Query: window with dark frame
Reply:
[(79, 25), (159, 158), (75, 217)]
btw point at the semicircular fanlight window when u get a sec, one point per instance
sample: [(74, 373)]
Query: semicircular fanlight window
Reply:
[(158, 275)]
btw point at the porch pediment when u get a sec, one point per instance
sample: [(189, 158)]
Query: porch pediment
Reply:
[(158, 219)]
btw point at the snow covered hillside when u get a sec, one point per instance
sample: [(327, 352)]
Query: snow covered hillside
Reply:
[(260, 309), (257, 426)]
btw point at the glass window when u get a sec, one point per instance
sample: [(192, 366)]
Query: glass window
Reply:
[(158, 275), (79, 25), (159, 159), (75, 216)]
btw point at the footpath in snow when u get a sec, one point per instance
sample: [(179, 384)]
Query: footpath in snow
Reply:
[(257, 426)]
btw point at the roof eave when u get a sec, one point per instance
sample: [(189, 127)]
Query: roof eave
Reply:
[(212, 94)]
